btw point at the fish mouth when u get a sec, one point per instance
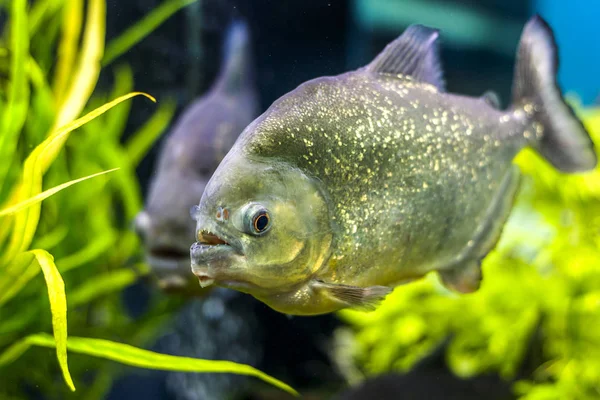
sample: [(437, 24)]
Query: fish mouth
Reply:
[(211, 253), (206, 237), (168, 253), (170, 265), (166, 259)]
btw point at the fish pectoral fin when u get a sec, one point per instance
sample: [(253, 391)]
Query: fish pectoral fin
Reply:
[(464, 278), (363, 298), (414, 54)]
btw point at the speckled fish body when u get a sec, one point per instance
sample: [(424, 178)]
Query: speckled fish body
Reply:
[(408, 172), (199, 140), (350, 185)]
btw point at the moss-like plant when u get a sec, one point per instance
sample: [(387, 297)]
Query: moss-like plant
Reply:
[(68, 192), (536, 318)]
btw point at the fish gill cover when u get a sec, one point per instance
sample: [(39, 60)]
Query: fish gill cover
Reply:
[(58, 234), (536, 318)]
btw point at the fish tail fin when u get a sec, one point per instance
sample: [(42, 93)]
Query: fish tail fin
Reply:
[(558, 135), (236, 67)]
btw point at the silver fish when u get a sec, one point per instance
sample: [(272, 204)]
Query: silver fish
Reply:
[(350, 185), (198, 142)]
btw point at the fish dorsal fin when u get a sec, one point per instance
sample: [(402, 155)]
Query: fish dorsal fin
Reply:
[(237, 65), (415, 54), (492, 99)]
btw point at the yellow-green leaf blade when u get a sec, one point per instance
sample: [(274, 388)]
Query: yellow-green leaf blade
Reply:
[(136, 357), (35, 165), (87, 72), (142, 28), (67, 49), (58, 307), (92, 250), (90, 116), (47, 193), (15, 351), (117, 120), (14, 112), (101, 285)]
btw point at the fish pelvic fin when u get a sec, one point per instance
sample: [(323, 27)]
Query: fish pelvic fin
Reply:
[(555, 132), (413, 54), (361, 298)]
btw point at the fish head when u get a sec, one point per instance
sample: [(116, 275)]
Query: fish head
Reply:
[(187, 159), (262, 228), (166, 230)]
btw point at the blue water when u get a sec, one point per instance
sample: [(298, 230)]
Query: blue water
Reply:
[(575, 25)]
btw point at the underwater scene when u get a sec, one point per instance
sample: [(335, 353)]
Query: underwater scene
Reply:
[(328, 199)]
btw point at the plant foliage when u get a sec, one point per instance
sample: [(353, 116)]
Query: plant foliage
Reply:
[(61, 217)]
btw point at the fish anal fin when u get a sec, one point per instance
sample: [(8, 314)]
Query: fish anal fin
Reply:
[(414, 54), (463, 272), (362, 298)]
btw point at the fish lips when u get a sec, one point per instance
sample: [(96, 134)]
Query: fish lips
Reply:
[(172, 270), (210, 261)]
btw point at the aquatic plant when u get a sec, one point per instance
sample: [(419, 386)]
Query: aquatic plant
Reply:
[(536, 318), (68, 192)]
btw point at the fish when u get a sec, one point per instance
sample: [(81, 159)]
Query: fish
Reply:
[(191, 152), (351, 185)]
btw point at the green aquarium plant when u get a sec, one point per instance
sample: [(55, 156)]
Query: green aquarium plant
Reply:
[(68, 192), (536, 318)]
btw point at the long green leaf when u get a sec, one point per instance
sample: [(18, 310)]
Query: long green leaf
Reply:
[(40, 10), (126, 183), (67, 49), (117, 120), (87, 72), (15, 111), (42, 105), (141, 29), (5, 229), (35, 165), (141, 141), (93, 250), (52, 238), (130, 355), (87, 118), (58, 307), (101, 285), (47, 193)]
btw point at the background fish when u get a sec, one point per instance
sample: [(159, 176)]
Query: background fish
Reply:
[(335, 194), (222, 324), (198, 142)]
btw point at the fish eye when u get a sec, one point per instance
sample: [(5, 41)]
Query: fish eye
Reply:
[(261, 222), (258, 220)]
